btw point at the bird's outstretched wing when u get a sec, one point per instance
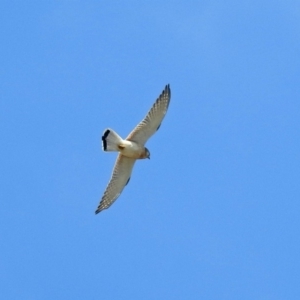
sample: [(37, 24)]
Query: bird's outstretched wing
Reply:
[(120, 177), (150, 124)]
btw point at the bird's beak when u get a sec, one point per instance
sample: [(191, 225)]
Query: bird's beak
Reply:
[(148, 157)]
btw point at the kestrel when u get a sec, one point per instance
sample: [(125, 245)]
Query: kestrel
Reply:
[(132, 148)]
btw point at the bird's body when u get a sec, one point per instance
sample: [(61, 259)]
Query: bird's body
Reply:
[(132, 148)]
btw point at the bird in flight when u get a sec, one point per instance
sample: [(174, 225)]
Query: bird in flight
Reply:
[(132, 148)]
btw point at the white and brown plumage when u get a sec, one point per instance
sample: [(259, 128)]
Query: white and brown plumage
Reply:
[(132, 148)]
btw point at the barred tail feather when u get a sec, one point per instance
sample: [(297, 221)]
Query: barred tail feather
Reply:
[(111, 140)]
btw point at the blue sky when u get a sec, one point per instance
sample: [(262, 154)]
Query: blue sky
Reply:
[(214, 214)]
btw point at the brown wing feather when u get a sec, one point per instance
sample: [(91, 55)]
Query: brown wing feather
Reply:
[(120, 177), (150, 124)]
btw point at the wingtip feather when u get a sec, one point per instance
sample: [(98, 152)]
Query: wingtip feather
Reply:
[(167, 90)]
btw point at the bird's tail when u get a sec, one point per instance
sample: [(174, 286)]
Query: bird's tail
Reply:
[(111, 140)]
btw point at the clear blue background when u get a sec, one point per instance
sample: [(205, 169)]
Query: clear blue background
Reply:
[(214, 214)]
